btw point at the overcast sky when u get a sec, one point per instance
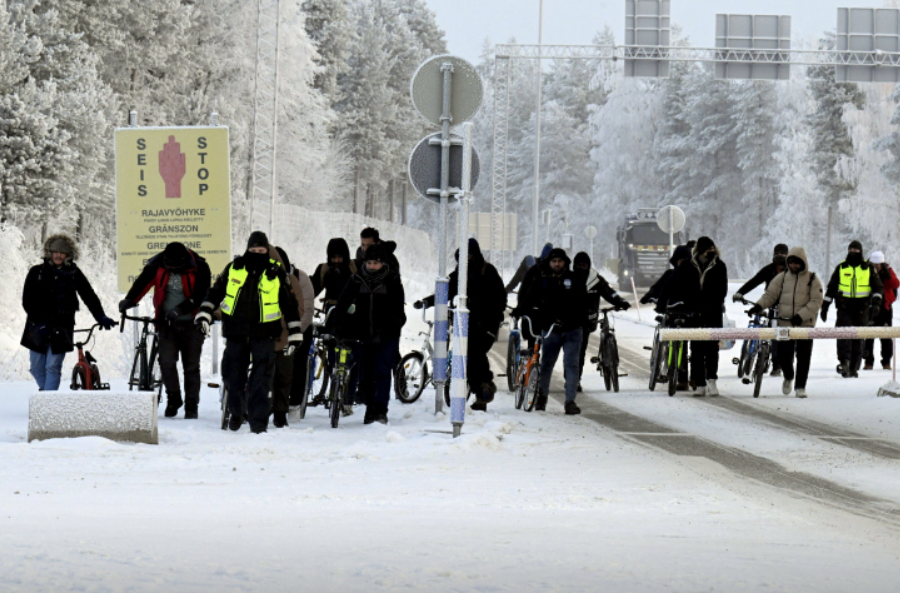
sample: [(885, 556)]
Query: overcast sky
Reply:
[(469, 22)]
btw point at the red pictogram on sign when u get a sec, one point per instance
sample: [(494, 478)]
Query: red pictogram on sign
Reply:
[(172, 167)]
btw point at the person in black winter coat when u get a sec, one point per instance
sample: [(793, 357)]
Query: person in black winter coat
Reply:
[(597, 287), (332, 276), (559, 297), (681, 254), (528, 263), (486, 303), (180, 279), (371, 310), (699, 286), (50, 298), (254, 294)]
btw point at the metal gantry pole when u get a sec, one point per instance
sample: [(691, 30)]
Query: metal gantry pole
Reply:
[(461, 327), (441, 290), (537, 133), (499, 164)]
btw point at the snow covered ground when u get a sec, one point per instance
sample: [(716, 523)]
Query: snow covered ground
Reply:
[(521, 502)]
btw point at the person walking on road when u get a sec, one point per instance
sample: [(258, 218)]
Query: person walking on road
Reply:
[(50, 299), (857, 291), (254, 294), (559, 297), (885, 316), (597, 287), (180, 279), (370, 236), (798, 294), (700, 285), (371, 310), (486, 303), (332, 276), (284, 355)]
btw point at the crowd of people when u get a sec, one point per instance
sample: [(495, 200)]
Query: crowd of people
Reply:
[(266, 307)]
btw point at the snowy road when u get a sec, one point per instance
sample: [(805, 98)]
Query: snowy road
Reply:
[(643, 492)]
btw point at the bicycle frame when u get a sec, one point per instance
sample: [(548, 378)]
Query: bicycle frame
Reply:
[(535, 358), (142, 375), (87, 364)]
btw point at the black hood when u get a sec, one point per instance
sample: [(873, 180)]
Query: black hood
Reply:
[(554, 254), (338, 246), (476, 258), (681, 252)]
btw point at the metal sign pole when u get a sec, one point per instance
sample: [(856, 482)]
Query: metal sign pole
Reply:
[(671, 232), (441, 292), (215, 349), (461, 327)]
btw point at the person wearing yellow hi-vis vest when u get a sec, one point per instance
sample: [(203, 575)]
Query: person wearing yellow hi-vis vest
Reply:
[(254, 294), (857, 290)]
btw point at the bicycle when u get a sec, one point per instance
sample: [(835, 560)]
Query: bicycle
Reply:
[(340, 377), (607, 359), (513, 354), (676, 351), (528, 379), (750, 348), (762, 351), (316, 367), (658, 353), (86, 373), (412, 375), (145, 373)]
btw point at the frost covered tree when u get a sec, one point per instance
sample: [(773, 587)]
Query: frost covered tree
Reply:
[(330, 27)]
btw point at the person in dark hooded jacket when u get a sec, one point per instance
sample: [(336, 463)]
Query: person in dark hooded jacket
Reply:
[(486, 303), (559, 297), (371, 310), (681, 254), (50, 298), (597, 287), (528, 263), (699, 286), (180, 279), (332, 276)]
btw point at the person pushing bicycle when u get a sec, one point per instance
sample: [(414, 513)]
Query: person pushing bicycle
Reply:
[(254, 294), (597, 287), (799, 295), (560, 298), (180, 279)]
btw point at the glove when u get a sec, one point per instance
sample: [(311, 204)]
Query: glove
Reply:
[(289, 349), (646, 299), (125, 304), (295, 338), (173, 315), (755, 310), (737, 298), (796, 321), (624, 305), (106, 323), (418, 305), (202, 321), (824, 312)]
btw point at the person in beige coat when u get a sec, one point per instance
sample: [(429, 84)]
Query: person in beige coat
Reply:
[(284, 356), (798, 295)]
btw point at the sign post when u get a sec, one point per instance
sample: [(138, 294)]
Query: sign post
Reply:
[(445, 90), (671, 219)]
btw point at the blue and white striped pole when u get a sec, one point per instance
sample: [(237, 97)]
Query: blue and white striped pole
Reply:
[(461, 328)]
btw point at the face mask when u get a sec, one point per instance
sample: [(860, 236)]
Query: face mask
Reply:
[(256, 261)]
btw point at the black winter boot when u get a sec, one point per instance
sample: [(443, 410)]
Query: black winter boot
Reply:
[(279, 419), (190, 412), (235, 422), (172, 406), (572, 409), (541, 404)]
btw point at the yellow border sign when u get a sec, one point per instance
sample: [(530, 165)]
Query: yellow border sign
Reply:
[(172, 184)]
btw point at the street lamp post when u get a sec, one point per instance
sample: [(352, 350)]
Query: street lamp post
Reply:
[(537, 134)]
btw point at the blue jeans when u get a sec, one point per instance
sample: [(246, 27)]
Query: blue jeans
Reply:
[(46, 368), (570, 342)]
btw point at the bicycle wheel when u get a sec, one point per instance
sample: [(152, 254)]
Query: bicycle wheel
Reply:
[(95, 378), (534, 385), (662, 362), (521, 379), (78, 379), (741, 361), (311, 368), (752, 351), (410, 376), (674, 355), (512, 362), (224, 403), (604, 365), (762, 361), (133, 378), (613, 365), (654, 360), (337, 400), (321, 379)]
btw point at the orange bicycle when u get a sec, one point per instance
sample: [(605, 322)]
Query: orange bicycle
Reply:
[(528, 381), (86, 373)]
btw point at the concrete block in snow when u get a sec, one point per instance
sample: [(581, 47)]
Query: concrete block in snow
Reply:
[(125, 416)]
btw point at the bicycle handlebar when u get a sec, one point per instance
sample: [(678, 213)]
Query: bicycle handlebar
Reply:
[(144, 320), (90, 332), (531, 329)]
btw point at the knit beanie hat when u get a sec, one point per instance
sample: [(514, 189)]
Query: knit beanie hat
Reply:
[(781, 249), (375, 252), (704, 244), (582, 258), (175, 256), (257, 239), (877, 257), (855, 245)]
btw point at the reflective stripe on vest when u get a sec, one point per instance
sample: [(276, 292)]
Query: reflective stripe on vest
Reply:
[(855, 283), (268, 294)]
